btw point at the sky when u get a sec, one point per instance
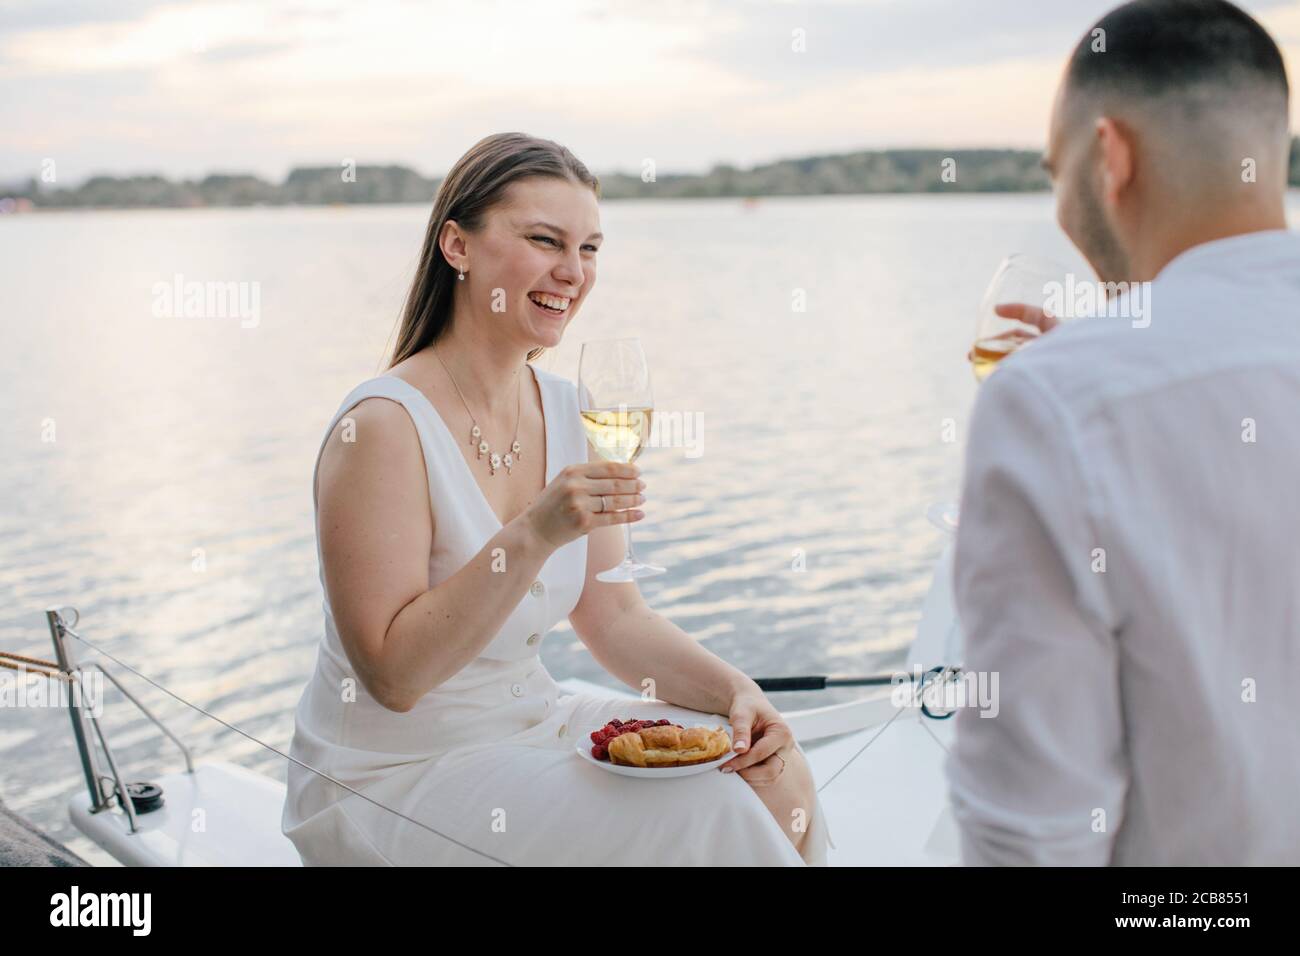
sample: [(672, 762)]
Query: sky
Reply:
[(187, 88)]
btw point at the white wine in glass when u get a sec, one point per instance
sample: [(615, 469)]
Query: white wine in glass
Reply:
[(1016, 295), (618, 434), (617, 407)]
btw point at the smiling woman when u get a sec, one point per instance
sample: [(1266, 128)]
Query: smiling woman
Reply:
[(480, 181), (441, 580)]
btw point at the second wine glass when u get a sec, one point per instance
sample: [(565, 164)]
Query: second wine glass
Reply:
[(1010, 312)]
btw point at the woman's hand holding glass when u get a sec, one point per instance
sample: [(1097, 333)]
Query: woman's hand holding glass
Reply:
[(584, 496)]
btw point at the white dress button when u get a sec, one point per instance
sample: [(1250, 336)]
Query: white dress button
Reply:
[(537, 588), (534, 638), (517, 690)]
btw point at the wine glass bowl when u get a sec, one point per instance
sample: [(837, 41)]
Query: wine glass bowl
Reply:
[(1014, 310)]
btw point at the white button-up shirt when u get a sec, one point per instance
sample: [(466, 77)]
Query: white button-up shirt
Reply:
[(1128, 562)]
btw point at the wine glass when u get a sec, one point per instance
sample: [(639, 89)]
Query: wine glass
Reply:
[(1014, 309), (617, 405), (1012, 313)]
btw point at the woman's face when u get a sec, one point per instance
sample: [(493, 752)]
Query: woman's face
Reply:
[(533, 262)]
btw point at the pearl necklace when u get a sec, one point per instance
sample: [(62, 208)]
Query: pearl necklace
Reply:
[(495, 460)]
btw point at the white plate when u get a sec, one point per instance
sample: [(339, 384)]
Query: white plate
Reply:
[(658, 773)]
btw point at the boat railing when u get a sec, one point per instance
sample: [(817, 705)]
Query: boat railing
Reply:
[(101, 797)]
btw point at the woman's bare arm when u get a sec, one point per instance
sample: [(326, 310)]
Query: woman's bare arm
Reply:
[(402, 637)]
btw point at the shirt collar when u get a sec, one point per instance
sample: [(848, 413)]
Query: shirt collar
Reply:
[(1260, 246)]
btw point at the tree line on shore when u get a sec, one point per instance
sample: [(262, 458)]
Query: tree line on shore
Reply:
[(876, 171)]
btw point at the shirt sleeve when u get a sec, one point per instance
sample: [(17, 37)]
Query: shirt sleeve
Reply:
[(1040, 776)]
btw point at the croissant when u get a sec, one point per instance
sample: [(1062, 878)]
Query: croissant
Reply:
[(668, 746)]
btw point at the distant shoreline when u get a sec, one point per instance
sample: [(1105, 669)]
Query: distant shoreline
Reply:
[(865, 173), (1292, 190), (425, 203)]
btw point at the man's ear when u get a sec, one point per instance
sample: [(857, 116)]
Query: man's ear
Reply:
[(1115, 150)]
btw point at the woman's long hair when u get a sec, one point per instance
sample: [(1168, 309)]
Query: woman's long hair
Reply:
[(473, 186)]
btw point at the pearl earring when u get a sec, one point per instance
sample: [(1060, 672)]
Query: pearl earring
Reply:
[(462, 274)]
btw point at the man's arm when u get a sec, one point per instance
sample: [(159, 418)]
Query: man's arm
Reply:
[(1043, 781)]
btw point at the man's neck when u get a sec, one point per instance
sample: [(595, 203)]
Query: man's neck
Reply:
[(1207, 227)]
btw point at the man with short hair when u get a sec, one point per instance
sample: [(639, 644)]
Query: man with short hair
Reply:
[(1128, 557)]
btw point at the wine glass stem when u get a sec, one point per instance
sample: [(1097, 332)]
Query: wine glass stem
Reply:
[(628, 558)]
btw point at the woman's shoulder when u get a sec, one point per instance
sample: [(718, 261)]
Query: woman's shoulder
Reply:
[(382, 385), (397, 390), (383, 409), (384, 405), (392, 442)]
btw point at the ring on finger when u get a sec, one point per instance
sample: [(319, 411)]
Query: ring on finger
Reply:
[(765, 783), (778, 773)]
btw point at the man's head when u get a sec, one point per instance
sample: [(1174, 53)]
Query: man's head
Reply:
[(1170, 128)]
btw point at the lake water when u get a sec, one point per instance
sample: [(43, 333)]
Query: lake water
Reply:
[(794, 533)]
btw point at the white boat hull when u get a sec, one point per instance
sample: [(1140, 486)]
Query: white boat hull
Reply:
[(219, 815)]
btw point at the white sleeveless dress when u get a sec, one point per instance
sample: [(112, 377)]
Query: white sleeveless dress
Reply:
[(487, 758)]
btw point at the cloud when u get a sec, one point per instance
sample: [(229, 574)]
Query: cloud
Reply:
[(23, 17), (183, 88)]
